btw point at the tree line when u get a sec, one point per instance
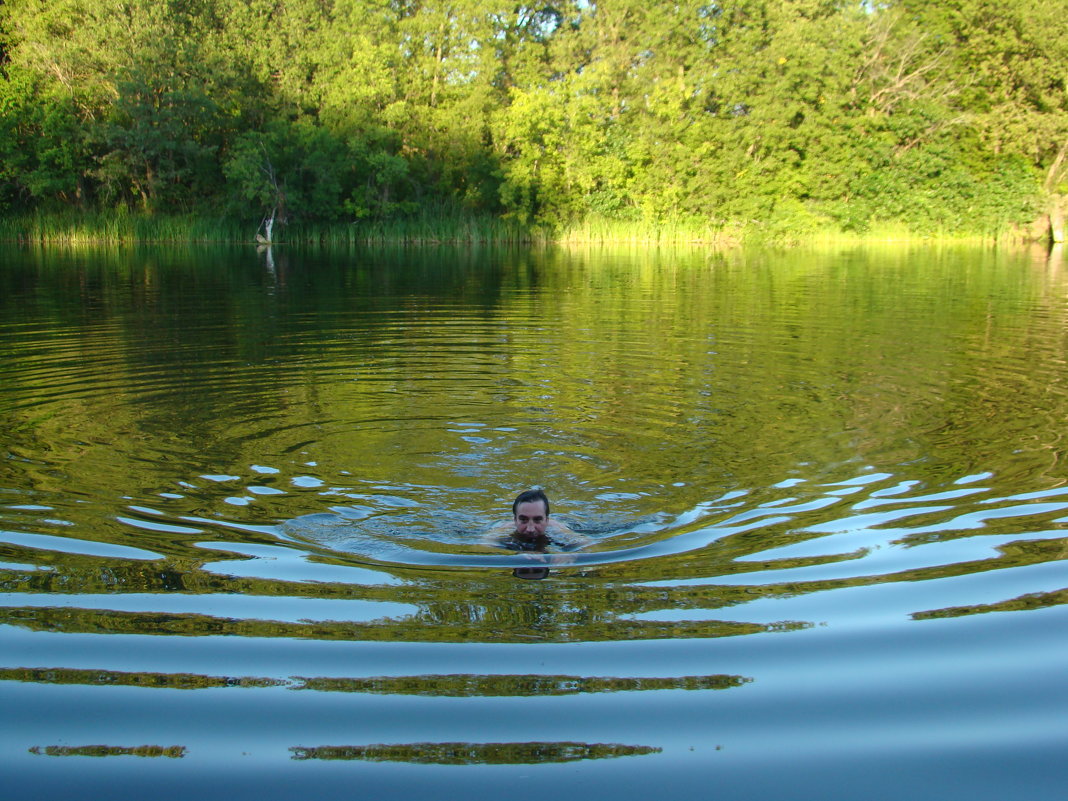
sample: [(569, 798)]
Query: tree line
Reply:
[(801, 115)]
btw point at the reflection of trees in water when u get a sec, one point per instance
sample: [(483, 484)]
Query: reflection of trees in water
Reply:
[(1032, 600), (475, 753), (132, 309), (118, 678), (460, 685), (412, 629), (460, 606), (465, 685), (170, 751), (611, 601)]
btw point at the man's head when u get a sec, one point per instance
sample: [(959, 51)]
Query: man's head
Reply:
[(530, 512)]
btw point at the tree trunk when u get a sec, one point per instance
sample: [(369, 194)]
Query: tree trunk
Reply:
[(1055, 176), (1056, 218), (267, 226)]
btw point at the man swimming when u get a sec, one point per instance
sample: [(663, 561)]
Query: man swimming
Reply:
[(532, 529)]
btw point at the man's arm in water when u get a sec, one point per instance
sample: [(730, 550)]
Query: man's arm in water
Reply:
[(565, 535), (498, 535)]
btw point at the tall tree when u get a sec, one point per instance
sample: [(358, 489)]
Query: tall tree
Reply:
[(1010, 59)]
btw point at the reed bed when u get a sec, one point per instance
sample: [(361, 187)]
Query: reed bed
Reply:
[(424, 228), (118, 226), (692, 231), (73, 228), (448, 226)]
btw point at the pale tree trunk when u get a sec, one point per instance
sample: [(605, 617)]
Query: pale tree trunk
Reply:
[(1057, 202), (278, 212), (267, 226)]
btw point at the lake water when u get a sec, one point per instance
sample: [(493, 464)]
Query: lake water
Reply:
[(241, 498)]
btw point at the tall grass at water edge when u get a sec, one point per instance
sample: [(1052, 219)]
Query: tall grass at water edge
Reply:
[(420, 228), (119, 226), (75, 227), (449, 228)]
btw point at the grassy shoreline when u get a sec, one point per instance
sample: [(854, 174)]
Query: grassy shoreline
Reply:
[(120, 227)]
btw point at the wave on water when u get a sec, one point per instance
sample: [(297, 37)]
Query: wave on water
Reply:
[(803, 534), (874, 524)]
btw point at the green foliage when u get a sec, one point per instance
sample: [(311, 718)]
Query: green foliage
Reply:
[(42, 143), (292, 166), (159, 142), (783, 116)]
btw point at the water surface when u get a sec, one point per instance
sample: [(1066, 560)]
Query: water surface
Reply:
[(240, 504)]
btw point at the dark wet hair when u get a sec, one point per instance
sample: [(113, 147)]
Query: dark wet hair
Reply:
[(529, 496)]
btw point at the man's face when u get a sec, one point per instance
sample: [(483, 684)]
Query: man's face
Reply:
[(530, 519)]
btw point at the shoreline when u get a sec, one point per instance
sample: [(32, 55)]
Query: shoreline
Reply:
[(124, 228)]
